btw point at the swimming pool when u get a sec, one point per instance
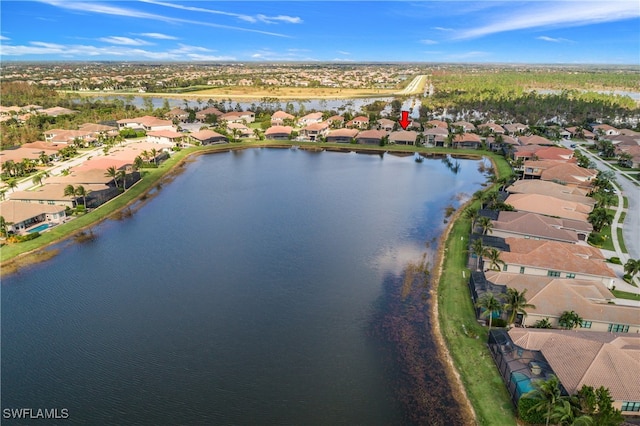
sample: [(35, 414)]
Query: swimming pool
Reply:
[(39, 228), (523, 383)]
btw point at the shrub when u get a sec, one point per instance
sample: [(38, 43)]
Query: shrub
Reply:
[(595, 239), (498, 322), (526, 413), (615, 260)]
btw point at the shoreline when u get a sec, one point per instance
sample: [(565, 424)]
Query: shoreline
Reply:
[(17, 262)]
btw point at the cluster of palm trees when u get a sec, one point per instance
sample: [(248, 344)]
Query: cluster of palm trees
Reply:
[(587, 407), (116, 174), (513, 301), (77, 191), (632, 267)]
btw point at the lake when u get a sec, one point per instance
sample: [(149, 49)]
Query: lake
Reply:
[(259, 287)]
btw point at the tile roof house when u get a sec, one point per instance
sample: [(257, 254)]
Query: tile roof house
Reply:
[(553, 189), (534, 140), (513, 128), (438, 123), (314, 117), (403, 137), (165, 136), (208, 137), (278, 132), (580, 133), (492, 127), (556, 259), (386, 124), (553, 296), (540, 152), (538, 227), (202, 115), (146, 122), (315, 131), (278, 118), (335, 121), (360, 122), (597, 359), (466, 126), (67, 136), (21, 216), (342, 135), (436, 135), (564, 173), (605, 129), (370, 137), (238, 117), (242, 130), (466, 140), (549, 206), (178, 114)]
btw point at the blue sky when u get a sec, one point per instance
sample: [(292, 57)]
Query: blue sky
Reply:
[(594, 32)]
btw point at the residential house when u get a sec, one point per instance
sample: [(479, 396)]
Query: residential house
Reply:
[(208, 137), (553, 189), (549, 206), (342, 135), (534, 226), (165, 137), (202, 115), (386, 124), (492, 128), (278, 132), (466, 140), (556, 259), (311, 118), (553, 296), (580, 133), (239, 130), (596, 359), (21, 217), (438, 123), (147, 123), (238, 117), (336, 121), (315, 131), (56, 111), (360, 122), (539, 152), (63, 136), (278, 118), (605, 130), (177, 114), (564, 173), (465, 125), (370, 137), (515, 128), (436, 136), (403, 137), (534, 140)]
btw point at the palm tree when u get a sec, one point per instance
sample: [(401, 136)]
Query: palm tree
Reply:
[(122, 174), (570, 320), (3, 194), (486, 224), (12, 184), (79, 191), (632, 267), (70, 191), (548, 396), (3, 226), (112, 173), (599, 218), (543, 323), (145, 155), (471, 214), (37, 179), (493, 256), (154, 154), (490, 304), (138, 162), (516, 303), (478, 249)]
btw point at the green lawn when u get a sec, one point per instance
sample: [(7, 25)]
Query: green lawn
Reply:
[(625, 295), (471, 356)]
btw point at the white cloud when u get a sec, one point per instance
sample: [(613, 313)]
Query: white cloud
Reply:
[(555, 14), (241, 16), (342, 52), (182, 53), (89, 7), (4, 38), (442, 29), (427, 41), (157, 36), (553, 40), (127, 41)]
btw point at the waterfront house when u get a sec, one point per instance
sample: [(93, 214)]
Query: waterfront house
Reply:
[(552, 189), (370, 137), (403, 137), (21, 217), (534, 226), (147, 123), (436, 136), (208, 137), (313, 132), (553, 296), (342, 135), (466, 140), (239, 130), (165, 137), (278, 133), (549, 206), (564, 173)]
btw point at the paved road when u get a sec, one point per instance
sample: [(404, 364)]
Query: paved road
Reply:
[(413, 87)]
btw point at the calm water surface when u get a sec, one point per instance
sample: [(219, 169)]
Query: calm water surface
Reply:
[(243, 293)]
